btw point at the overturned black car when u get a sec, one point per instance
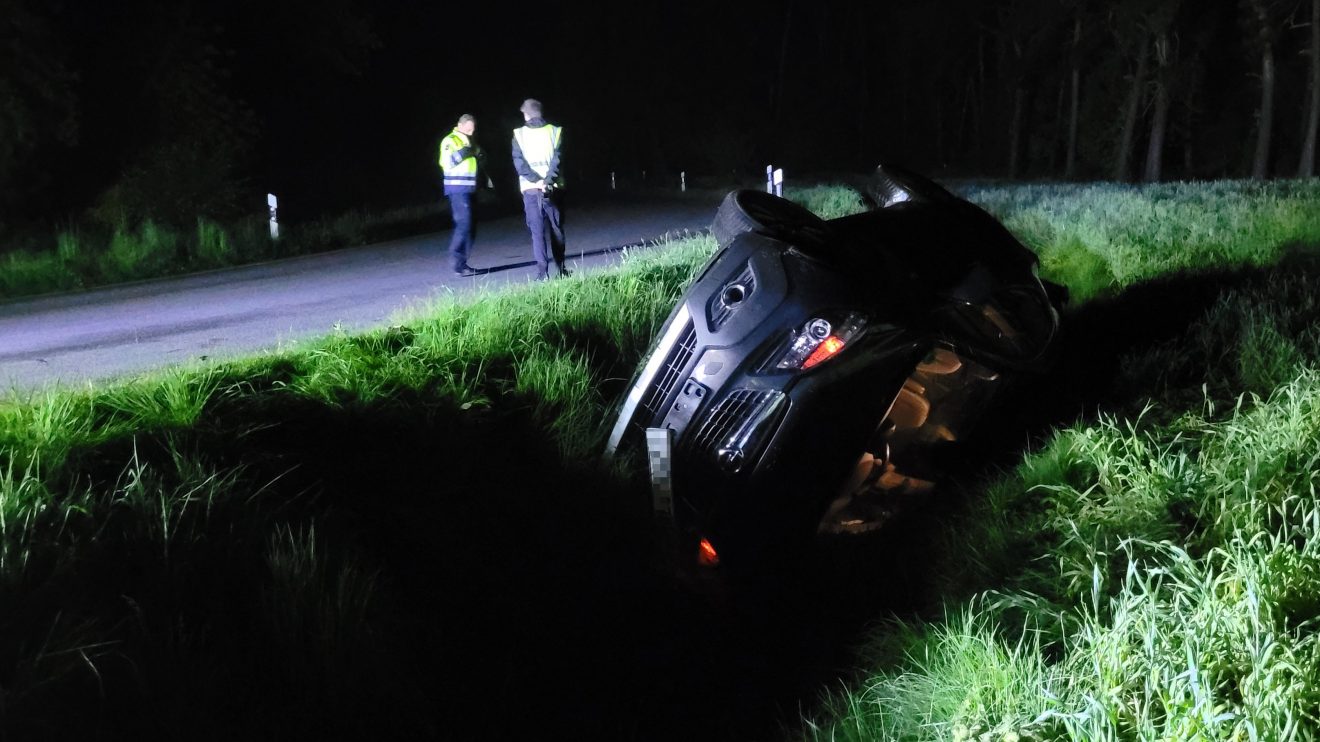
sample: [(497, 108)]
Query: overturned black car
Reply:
[(819, 370)]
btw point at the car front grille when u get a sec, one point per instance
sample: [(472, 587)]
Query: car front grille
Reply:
[(728, 416), (669, 374)]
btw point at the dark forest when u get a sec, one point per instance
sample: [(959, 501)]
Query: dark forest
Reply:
[(119, 112)]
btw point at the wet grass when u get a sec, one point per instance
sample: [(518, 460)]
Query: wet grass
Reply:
[(406, 534)]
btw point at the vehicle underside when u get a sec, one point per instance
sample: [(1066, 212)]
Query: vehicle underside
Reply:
[(818, 373)]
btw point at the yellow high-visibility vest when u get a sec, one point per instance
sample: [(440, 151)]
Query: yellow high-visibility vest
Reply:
[(459, 170), (538, 146)]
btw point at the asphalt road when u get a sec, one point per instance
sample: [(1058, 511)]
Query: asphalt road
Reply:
[(105, 333)]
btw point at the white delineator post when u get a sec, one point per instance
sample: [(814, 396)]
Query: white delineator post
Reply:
[(682, 181), (273, 203), (779, 182), (769, 178), (612, 186)]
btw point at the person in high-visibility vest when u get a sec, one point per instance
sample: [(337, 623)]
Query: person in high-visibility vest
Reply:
[(458, 160), (536, 146)]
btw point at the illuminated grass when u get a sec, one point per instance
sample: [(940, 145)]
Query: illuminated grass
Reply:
[(1101, 237), (284, 533), (1156, 571), (829, 202)]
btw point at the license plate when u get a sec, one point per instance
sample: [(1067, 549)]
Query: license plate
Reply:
[(660, 449)]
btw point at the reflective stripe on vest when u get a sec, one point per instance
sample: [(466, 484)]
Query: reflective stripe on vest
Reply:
[(458, 171), (538, 147)]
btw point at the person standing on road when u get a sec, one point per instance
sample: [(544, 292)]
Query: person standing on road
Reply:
[(458, 160), (536, 146)]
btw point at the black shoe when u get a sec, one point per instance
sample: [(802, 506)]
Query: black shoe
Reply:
[(466, 271)]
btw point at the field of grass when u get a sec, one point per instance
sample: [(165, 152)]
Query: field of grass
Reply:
[(82, 258), (407, 533)]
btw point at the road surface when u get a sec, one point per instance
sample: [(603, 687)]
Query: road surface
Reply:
[(116, 331)]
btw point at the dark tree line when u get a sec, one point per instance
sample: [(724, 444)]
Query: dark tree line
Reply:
[(142, 108), (1130, 90)]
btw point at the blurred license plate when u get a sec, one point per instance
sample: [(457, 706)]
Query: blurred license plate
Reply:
[(660, 449)]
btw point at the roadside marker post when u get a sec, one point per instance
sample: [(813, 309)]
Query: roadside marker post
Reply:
[(779, 182), (769, 178), (682, 181), (273, 203)]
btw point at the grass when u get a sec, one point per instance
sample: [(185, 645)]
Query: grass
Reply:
[(83, 258), (1102, 237), (406, 533), (1177, 599), (1149, 573)]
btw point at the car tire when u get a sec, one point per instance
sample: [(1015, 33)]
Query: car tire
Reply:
[(891, 184), (764, 213)]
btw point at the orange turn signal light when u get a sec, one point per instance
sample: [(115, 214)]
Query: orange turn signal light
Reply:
[(827, 349), (706, 554)]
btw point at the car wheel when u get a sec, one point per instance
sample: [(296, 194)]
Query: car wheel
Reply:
[(764, 213), (891, 184), (1012, 329)]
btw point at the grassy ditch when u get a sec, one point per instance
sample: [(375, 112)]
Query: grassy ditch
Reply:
[(406, 533), (1150, 572)]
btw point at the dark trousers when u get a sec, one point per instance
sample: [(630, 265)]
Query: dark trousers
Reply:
[(545, 222), (460, 207)]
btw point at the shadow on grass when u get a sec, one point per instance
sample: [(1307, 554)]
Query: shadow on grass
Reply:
[(1097, 338), (1093, 373), (519, 600), (509, 591)]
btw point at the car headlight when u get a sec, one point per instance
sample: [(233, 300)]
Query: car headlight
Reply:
[(818, 340)]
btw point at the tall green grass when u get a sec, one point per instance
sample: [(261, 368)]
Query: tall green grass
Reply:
[(1098, 238), (173, 509), (1151, 572), (828, 202), (1135, 624)]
